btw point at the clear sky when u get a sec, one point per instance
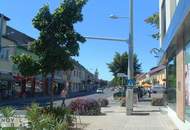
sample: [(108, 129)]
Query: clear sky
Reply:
[(95, 54)]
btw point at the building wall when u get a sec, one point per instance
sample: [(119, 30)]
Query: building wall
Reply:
[(159, 77), (181, 38), (79, 79), (5, 60), (169, 10), (166, 10), (4, 26), (180, 106)]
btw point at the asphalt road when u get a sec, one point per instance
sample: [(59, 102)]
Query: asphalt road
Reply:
[(107, 94)]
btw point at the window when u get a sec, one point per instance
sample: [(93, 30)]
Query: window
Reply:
[(173, 7), (74, 73), (171, 83), (4, 54)]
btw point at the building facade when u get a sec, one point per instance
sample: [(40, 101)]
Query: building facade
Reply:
[(175, 54), (141, 79), (157, 76)]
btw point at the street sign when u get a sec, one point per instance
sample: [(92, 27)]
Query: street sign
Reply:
[(130, 83)]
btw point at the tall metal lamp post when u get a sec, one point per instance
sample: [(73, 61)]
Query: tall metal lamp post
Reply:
[(129, 92)]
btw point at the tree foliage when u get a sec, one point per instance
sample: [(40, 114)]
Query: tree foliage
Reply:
[(120, 64), (58, 40), (26, 65), (154, 21), (116, 81)]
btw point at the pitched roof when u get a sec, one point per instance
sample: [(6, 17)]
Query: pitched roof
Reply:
[(157, 69), (17, 36), (141, 76), (5, 17)]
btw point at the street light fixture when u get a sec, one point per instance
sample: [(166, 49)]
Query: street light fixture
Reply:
[(156, 52), (112, 16), (107, 39)]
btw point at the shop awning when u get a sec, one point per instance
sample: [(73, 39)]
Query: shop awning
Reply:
[(146, 85)]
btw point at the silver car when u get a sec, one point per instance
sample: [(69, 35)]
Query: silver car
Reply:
[(158, 91)]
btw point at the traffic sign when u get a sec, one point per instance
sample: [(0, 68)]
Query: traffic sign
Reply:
[(130, 82)]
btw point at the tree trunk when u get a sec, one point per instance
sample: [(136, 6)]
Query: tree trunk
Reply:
[(45, 86), (52, 88), (23, 87), (33, 86)]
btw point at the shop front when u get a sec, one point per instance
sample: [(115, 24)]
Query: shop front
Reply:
[(171, 83), (187, 82), (6, 85)]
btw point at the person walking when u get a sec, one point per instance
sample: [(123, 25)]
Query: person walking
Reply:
[(64, 94), (149, 92)]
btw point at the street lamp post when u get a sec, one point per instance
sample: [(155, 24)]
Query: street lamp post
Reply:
[(129, 92)]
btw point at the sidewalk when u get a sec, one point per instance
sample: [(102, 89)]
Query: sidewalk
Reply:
[(145, 117)]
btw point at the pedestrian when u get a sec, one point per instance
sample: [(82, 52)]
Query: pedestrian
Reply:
[(149, 92), (139, 93), (64, 94)]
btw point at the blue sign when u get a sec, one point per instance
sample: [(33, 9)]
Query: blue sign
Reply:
[(131, 82)]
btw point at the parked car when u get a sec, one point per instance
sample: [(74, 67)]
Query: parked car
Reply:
[(100, 90), (112, 89), (158, 91)]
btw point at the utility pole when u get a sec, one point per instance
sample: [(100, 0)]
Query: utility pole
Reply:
[(129, 92), (1, 30)]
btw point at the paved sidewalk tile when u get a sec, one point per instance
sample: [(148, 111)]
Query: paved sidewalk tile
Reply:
[(146, 117)]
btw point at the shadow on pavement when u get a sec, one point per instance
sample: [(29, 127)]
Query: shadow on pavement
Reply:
[(149, 111), (145, 100), (140, 114), (101, 114)]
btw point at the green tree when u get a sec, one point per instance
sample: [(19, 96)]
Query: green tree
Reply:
[(120, 64), (28, 67), (154, 21), (116, 81), (58, 41)]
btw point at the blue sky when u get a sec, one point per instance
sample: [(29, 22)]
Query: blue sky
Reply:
[(95, 54)]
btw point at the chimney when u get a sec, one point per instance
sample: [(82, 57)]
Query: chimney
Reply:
[(3, 24)]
